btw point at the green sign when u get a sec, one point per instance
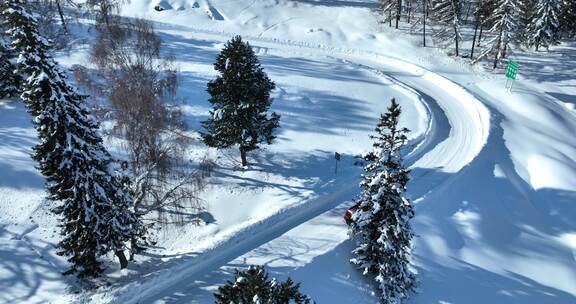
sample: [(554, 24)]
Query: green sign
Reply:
[(512, 69)]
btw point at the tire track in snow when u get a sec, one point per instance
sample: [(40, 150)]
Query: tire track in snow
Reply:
[(469, 123)]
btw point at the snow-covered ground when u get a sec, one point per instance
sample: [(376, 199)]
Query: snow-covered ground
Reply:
[(493, 173)]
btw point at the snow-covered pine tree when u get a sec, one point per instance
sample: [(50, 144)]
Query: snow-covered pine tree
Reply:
[(525, 20), (544, 29), (9, 80), (504, 20), (240, 97), (568, 18), (81, 175), (447, 13), (381, 224), (253, 286)]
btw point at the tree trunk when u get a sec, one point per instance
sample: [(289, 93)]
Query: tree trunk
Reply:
[(499, 45), (389, 18), (122, 259), (398, 12), (480, 35), (243, 156), (61, 16), (456, 39), (424, 23), (474, 39)]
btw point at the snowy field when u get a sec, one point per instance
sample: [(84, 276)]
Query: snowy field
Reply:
[(493, 172)]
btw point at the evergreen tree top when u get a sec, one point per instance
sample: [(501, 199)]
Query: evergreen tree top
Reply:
[(254, 286), (389, 138), (240, 96)]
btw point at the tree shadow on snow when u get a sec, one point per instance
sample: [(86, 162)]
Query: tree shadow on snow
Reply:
[(26, 266), (556, 65), (18, 136)]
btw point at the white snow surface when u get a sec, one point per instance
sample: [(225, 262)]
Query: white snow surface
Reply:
[(493, 172)]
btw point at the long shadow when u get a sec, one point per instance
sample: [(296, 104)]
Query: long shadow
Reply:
[(17, 137), (462, 282), (557, 65), (566, 98), (315, 172)]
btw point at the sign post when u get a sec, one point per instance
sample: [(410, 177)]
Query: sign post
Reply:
[(337, 158), (511, 72)]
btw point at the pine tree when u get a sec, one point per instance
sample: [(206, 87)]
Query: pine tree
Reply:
[(544, 29), (9, 81), (253, 286), (90, 188), (447, 13), (241, 99), (568, 18), (525, 20), (504, 20), (381, 223)]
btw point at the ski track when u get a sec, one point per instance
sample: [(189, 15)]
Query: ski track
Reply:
[(467, 117)]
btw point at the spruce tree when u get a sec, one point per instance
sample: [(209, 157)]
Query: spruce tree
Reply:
[(240, 97), (544, 28), (505, 24), (381, 223), (81, 176), (525, 20), (568, 18), (253, 286), (447, 13), (9, 80)]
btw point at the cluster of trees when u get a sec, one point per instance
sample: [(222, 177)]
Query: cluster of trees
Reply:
[(497, 25), (103, 202), (88, 187)]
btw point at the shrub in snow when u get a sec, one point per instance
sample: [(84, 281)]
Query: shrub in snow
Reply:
[(240, 97), (253, 286), (381, 223), (80, 174)]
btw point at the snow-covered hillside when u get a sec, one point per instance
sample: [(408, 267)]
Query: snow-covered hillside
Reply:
[(493, 172)]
